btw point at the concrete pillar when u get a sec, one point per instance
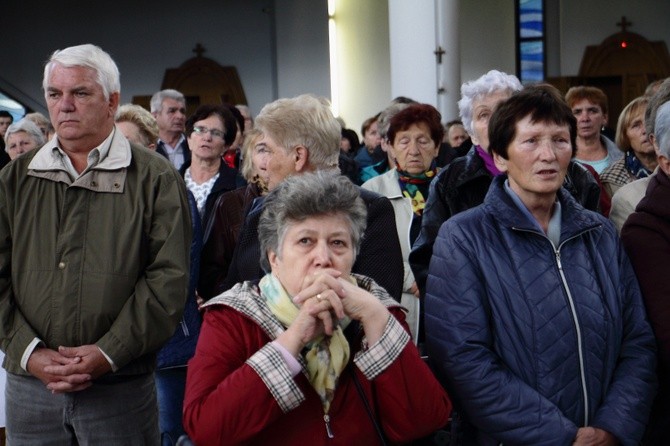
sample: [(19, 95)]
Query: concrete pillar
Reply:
[(424, 52), (449, 71)]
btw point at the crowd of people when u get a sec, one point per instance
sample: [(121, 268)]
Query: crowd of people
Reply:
[(229, 278)]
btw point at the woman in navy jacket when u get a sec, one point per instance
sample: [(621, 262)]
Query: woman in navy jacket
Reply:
[(533, 313)]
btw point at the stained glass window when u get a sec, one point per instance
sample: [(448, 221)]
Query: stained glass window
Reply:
[(530, 41)]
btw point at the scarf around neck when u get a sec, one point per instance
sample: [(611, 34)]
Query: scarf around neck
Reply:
[(326, 356), (415, 187), (634, 166), (488, 161)]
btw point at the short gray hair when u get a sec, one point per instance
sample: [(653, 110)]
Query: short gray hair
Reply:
[(312, 194), (491, 82), (659, 98), (88, 56), (157, 99), (662, 129), (307, 121), (145, 121), (27, 126), (384, 121)]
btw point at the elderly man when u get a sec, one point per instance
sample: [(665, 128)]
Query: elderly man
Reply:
[(169, 109), (93, 279), (299, 135)]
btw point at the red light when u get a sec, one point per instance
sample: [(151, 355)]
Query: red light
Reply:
[(624, 44)]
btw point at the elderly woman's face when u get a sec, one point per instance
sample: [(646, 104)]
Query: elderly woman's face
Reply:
[(456, 135), (18, 143), (310, 246), (538, 159), (413, 149), (277, 161), (590, 118), (637, 135), (482, 109), (133, 134), (206, 141)]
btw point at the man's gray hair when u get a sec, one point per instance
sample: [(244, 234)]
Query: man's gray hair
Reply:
[(307, 121), (89, 56), (384, 121), (662, 130), (489, 83), (27, 126), (157, 99), (659, 98), (300, 197)]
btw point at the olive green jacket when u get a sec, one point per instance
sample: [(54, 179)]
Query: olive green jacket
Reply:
[(99, 260)]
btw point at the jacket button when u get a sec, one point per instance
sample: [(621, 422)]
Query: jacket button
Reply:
[(61, 265), (117, 185), (93, 184)]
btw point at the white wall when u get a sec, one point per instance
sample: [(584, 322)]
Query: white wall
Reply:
[(363, 59), (413, 63)]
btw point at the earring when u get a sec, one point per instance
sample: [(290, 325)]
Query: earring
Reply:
[(602, 129)]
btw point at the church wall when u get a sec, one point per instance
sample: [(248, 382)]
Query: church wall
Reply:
[(595, 20), (286, 52)]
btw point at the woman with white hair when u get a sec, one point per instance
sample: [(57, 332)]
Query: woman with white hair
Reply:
[(21, 137), (463, 184)]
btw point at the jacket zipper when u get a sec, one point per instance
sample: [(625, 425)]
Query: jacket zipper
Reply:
[(329, 432), (579, 336), (575, 320), (184, 327)]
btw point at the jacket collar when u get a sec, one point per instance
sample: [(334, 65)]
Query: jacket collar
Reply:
[(474, 168), (574, 218), (118, 157), (387, 184), (107, 176)]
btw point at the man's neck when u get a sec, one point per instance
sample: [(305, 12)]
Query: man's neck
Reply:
[(648, 160), (170, 138)]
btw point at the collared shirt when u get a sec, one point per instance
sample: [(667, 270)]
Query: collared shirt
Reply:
[(95, 156), (175, 154), (554, 227)]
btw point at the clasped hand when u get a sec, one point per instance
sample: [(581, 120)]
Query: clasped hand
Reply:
[(324, 299), (70, 369)]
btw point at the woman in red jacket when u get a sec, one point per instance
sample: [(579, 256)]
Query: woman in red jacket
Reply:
[(311, 354)]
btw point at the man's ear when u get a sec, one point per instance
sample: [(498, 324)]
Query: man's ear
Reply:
[(664, 164), (114, 102), (500, 162), (301, 158)]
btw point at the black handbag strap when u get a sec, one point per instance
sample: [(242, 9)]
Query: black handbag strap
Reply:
[(351, 332)]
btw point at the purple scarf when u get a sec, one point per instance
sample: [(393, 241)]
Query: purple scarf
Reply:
[(488, 161)]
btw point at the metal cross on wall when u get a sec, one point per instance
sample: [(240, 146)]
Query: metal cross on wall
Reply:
[(438, 53), (199, 49), (623, 24)]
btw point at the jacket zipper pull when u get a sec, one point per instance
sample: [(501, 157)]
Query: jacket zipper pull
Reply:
[(326, 419)]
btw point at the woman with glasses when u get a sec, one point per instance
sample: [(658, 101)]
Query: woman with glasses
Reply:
[(209, 132)]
